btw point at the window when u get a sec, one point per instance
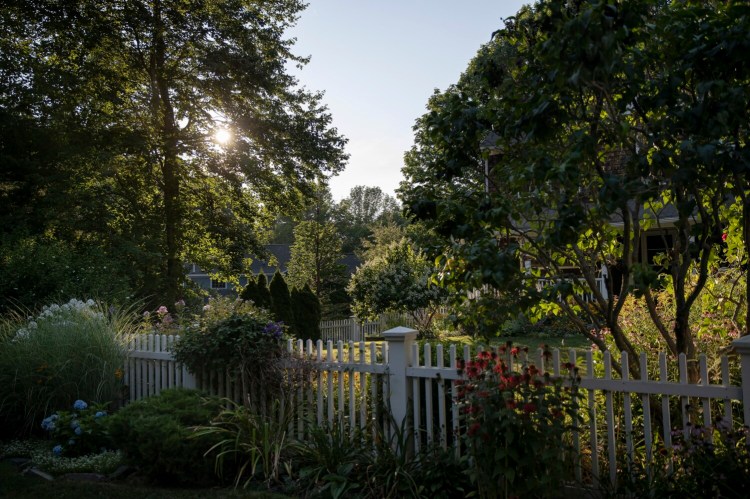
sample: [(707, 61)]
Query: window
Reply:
[(655, 245), (218, 284)]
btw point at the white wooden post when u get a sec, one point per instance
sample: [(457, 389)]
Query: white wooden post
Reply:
[(742, 347), (356, 329), (400, 340)]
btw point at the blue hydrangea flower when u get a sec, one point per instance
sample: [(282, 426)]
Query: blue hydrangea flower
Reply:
[(48, 423), (71, 442), (74, 424), (78, 430), (100, 414), (79, 405), (57, 450)]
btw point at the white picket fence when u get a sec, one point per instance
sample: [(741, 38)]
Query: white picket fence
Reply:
[(357, 381), (352, 329)]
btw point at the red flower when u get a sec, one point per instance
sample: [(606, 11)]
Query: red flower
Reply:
[(514, 351), (510, 404), (724, 237), (474, 428), (529, 407)]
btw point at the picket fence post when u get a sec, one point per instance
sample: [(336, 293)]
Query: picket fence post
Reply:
[(356, 329), (400, 340), (742, 347)]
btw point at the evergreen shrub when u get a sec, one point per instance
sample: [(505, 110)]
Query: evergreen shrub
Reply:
[(156, 435)]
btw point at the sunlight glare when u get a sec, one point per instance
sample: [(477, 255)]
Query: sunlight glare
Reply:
[(222, 136)]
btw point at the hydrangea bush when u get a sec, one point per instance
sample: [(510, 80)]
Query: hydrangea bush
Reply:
[(79, 432)]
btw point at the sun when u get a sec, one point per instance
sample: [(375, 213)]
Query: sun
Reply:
[(222, 136)]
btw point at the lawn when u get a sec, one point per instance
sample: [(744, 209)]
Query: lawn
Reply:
[(14, 484)]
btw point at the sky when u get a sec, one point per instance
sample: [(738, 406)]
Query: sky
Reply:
[(378, 62)]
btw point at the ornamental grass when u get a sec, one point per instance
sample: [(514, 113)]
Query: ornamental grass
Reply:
[(62, 354)]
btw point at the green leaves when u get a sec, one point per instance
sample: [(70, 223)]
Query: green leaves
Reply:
[(115, 110)]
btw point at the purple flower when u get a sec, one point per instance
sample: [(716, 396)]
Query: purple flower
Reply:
[(275, 329)]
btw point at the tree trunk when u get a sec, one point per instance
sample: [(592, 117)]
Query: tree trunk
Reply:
[(169, 167), (746, 239)]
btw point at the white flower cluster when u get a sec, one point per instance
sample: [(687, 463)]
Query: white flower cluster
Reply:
[(57, 314)]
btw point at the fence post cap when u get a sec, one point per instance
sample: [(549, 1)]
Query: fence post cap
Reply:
[(400, 333), (742, 345)]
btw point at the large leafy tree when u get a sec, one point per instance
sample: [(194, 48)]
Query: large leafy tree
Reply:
[(138, 89), (315, 262), (598, 126), (364, 208)]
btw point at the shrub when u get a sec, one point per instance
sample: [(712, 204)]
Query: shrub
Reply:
[(67, 352), (281, 301), (307, 313), (79, 432), (155, 435), (237, 343), (250, 291), (707, 462), (263, 294), (516, 424)]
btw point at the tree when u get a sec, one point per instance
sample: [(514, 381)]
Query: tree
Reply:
[(262, 292), (307, 313), (594, 117), (250, 291), (364, 208), (281, 304), (142, 100), (315, 257), (398, 281)]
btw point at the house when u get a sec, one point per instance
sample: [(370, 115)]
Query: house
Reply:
[(280, 256), (657, 239)]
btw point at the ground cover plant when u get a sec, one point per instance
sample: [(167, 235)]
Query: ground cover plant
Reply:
[(42, 456), (54, 357)]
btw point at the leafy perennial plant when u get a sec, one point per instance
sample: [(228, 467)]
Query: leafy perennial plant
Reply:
[(517, 423)]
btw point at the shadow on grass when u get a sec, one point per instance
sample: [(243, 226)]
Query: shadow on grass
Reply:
[(14, 484)]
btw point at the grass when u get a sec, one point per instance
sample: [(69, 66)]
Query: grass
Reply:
[(14, 484)]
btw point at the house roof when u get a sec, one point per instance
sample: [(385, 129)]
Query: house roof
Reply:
[(280, 254)]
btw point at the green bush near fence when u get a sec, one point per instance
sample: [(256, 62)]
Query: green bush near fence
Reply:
[(61, 354), (156, 434)]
